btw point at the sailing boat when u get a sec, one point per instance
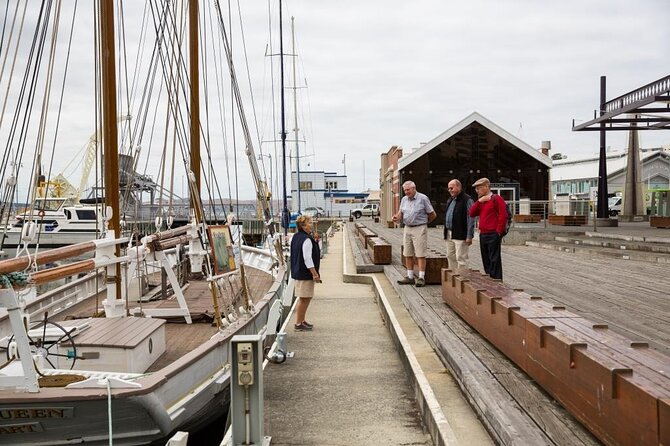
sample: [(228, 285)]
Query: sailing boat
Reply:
[(131, 376)]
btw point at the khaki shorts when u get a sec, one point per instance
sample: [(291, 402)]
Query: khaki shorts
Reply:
[(415, 241), (304, 289)]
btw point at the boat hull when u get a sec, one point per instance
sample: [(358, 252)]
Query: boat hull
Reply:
[(186, 395)]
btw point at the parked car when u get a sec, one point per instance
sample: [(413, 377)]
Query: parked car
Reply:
[(314, 211), (369, 210), (614, 206)]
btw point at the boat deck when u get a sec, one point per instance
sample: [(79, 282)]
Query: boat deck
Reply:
[(180, 337)]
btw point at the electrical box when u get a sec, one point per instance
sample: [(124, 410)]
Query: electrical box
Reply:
[(245, 364), (246, 390)]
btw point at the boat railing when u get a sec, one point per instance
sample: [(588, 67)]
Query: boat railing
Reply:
[(64, 296)]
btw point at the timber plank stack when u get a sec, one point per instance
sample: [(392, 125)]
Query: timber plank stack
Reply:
[(616, 387)]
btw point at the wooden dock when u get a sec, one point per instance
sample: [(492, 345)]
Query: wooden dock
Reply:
[(630, 297)]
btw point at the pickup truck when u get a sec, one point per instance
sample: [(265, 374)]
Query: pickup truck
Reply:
[(369, 210)]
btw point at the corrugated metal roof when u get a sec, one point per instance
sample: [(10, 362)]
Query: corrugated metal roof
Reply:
[(472, 117)]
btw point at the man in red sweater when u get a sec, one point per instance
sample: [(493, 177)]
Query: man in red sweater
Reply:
[(492, 213)]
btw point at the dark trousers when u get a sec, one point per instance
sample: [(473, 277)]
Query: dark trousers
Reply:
[(489, 246)]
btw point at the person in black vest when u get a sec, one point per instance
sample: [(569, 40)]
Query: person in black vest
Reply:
[(305, 261), (459, 227)]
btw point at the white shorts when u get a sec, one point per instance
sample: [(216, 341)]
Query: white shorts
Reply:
[(415, 241), (304, 289)]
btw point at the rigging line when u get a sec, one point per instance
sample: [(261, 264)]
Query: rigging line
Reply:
[(4, 25), (209, 171), (222, 109), (127, 124), (232, 119), (170, 101), (140, 53), (31, 97), (54, 37), (152, 70), (251, 91), (221, 120), (5, 47), (9, 152), (258, 183), (274, 105), (62, 93)]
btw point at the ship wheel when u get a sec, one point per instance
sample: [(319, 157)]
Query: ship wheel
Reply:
[(47, 348)]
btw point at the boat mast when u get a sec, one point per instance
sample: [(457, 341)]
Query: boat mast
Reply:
[(109, 133), (295, 113), (285, 213), (195, 98)]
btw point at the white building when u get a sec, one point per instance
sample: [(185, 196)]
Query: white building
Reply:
[(578, 177), (326, 190)]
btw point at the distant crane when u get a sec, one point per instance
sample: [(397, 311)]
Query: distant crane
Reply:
[(89, 158)]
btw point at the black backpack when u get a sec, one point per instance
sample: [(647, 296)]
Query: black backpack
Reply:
[(509, 218)]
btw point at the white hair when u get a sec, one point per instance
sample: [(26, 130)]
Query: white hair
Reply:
[(408, 184)]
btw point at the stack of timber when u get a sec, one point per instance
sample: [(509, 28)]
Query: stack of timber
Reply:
[(618, 388)]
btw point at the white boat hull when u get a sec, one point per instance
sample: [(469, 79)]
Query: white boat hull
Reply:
[(185, 395)]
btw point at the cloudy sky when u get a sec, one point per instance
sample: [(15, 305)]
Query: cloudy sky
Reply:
[(383, 73)]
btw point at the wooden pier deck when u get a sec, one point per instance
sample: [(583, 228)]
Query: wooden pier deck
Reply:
[(631, 297)]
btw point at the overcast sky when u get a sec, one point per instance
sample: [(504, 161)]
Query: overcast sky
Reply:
[(382, 73)]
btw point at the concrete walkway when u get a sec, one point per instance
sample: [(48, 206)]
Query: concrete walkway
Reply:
[(366, 375), (346, 384)]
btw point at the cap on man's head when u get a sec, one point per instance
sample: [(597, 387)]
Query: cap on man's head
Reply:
[(481, 181)]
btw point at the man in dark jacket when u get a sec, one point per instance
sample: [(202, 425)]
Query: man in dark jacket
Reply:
[(459, 227)]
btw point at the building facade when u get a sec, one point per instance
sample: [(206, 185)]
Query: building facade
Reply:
[(580, 177), (473, 148), (390, 183), (326, 190)]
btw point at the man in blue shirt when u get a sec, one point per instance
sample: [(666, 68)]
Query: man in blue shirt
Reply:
[(415, 212)]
